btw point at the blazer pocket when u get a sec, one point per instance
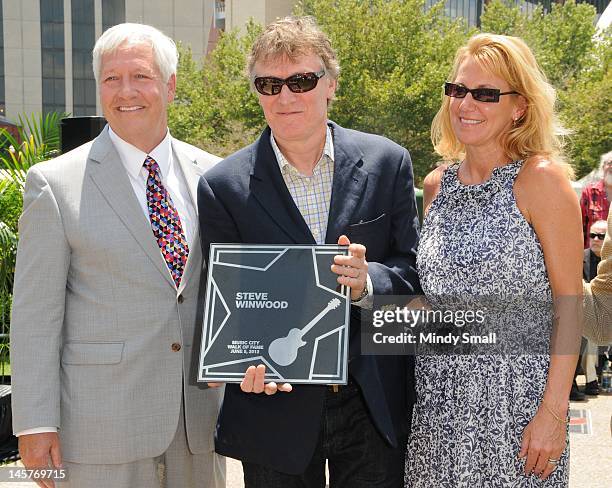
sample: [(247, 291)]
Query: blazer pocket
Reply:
[(367, 226), (92, 352)]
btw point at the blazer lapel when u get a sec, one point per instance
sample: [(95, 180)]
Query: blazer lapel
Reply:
[(348, 184), (270, 190), (109, 175), (191, 175)]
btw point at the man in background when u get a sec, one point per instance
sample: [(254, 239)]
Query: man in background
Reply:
[(595, 198), (588, 360)]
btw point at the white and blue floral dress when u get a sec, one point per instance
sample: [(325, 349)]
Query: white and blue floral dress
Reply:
[(476, 248)]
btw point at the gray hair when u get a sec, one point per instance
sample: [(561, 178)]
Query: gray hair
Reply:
[(164, 49), (603, 223), (293, 37), (605, 158)]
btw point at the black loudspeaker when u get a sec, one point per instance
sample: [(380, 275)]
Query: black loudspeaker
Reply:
[(8, 442), (75, 131)]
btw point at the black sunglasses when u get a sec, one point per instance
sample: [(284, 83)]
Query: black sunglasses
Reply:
[(599, 236), (481, 94), (300, 83)]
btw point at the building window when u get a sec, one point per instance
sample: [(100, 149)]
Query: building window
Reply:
[(220, 14), (52, 55), (467, 9), (83, 38), (113, 13)]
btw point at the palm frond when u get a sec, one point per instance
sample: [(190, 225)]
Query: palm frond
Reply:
[(45, 129), (39, 140)]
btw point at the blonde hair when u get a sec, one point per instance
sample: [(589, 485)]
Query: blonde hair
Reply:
[(538, 132), (293, 37)]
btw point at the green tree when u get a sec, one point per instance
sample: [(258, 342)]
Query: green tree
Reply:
[(11, 202), (577, 63), (394, 57), (214, 107), (562, 40), (586, 109)]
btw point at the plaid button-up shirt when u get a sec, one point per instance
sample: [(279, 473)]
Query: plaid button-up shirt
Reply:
[(311, 194)]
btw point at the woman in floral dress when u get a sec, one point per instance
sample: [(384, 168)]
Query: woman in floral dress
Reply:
[(502, 232)]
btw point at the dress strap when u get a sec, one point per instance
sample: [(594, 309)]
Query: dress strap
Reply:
[(511, 170), (449, 177)]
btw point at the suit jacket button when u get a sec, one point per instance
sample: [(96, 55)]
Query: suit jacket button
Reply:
[(180, 299), (176, 347)]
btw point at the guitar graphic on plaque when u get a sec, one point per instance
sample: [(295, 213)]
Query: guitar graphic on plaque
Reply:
[(284, 350)]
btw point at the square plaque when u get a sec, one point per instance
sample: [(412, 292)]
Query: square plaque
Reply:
[(280, 306)]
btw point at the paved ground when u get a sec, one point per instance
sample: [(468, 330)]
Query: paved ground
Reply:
[(591, 454)]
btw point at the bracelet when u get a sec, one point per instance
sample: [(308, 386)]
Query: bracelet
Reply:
[(557, 418), (364, 294)]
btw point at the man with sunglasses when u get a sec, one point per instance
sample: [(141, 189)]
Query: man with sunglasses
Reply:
[(588, 358), (307, 180)]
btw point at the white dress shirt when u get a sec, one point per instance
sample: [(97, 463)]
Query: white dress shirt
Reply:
[(172, 178)]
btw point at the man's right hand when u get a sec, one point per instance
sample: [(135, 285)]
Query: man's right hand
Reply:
[(41, 451)]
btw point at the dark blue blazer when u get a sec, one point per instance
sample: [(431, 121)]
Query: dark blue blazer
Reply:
[(244, 199)]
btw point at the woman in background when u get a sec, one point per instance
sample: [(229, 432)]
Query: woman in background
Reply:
[(502, 232)]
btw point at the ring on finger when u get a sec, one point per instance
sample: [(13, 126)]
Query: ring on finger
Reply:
[(553, 461)]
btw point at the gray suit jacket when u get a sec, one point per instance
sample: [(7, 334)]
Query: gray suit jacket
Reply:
[(96, 314)]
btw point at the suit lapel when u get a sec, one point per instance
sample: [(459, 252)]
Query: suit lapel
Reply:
[(109, 175), (270, 190), (348, 183), (191, 176)]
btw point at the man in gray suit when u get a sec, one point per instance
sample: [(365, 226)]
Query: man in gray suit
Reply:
[(108, 289)]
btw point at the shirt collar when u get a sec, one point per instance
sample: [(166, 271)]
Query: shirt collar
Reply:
[(328, 150), (133, 158)]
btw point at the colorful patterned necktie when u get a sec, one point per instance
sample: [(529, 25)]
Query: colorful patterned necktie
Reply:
[(165, 223)]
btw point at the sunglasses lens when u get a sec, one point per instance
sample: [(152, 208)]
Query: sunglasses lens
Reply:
[(302, 83), (486, 94), (268, 86), (453, 90)]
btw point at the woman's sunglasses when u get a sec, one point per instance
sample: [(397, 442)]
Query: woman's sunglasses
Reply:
[(593, 235), (300, 83), (481, 94)]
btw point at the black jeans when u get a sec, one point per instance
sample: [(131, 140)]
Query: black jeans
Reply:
[(358, 456)]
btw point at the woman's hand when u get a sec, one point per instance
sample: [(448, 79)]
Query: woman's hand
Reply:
[(544, 440)]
